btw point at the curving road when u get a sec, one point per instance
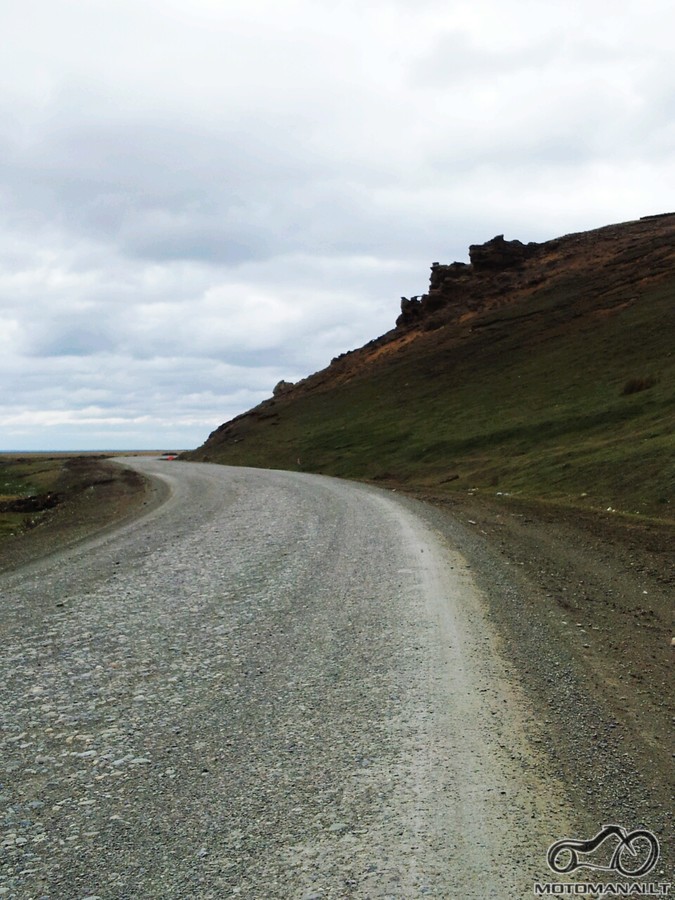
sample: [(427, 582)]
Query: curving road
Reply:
[(275, 685)]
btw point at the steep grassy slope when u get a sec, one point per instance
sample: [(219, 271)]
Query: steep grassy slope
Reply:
[(558, 386)]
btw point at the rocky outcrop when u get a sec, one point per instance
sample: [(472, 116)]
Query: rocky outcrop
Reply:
[(411, 311), (441, 275), (282, 387), (498, 254), (459, 288)]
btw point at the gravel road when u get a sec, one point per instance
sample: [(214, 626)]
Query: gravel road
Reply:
[(274, 685)]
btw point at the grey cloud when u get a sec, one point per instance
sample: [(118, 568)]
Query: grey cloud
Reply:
[(456, 57), (199, 199), (84, 340), (156, 190), (459, 56)]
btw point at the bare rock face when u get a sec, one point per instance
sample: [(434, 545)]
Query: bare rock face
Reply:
[(460, 288), (441, 275), (411, 311), (282, 388), (498, 254)]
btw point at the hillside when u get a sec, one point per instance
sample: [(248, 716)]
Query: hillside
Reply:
[(536, 370)]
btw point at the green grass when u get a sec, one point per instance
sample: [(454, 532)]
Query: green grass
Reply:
[(534, 406), (25, 476)]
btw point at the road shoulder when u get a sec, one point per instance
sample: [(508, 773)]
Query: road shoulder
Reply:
[(582, 604)]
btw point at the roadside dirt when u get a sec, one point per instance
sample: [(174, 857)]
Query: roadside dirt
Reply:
[(95, 494)]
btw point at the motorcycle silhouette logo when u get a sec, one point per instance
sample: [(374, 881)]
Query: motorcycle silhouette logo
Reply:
[(636, 853)]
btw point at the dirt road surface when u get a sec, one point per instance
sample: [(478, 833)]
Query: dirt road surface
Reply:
[(274, 685)]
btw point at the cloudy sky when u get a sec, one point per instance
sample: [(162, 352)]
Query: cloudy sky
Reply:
[(202, 197)]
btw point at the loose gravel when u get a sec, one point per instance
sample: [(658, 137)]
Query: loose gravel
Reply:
[(274, 686)]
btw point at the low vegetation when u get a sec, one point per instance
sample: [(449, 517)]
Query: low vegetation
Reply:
[(28, 486)]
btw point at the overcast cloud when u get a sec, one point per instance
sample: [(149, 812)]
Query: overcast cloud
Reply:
[(202, 198)]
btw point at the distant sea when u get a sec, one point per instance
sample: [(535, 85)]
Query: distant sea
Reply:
[(117, 452)]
